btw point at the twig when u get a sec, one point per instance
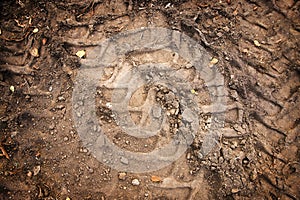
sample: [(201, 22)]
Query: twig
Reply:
[(16, 69), (4, 153), (15, 39)]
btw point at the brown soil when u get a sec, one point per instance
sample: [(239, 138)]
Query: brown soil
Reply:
[(256, 43)]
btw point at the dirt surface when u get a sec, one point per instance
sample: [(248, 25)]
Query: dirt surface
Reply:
[(256, 44)]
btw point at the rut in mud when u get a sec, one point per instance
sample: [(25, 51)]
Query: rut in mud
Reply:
[(255, 46)]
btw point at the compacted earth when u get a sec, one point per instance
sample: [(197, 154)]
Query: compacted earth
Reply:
[(253, 44)]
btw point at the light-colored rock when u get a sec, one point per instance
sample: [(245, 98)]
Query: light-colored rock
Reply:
[(135, 182)]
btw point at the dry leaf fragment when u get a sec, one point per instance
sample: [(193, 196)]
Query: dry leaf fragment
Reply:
[(235, 12), (44, 41), (35, 30), (194, 91), (235, 190), (214, 61), (35, 67), (34, 52), (156, 179), (80, 53), (36, 170), (202, 5)]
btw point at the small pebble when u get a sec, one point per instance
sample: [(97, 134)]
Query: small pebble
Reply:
[(124, 160), (221, 160), (135, 182), (256, 43), (52, 126), (60, 107), (61, 98), (200, 156), (78, 114), (35, 30), (122, 176), (214, 61), (84, 150), (253, 175), (188, 66), (226, 28), (156, 112), (188, 156), (12, 88), (29, 174)]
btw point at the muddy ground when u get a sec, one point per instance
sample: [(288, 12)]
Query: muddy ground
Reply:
[(256, 44)]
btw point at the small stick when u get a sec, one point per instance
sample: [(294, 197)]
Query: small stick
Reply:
[(4, 153)]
